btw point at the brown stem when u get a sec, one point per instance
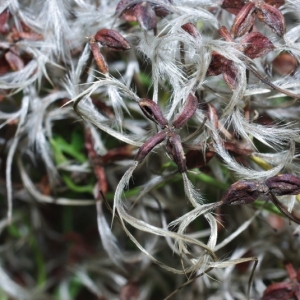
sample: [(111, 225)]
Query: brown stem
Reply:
[(283, 209), (270, 84)]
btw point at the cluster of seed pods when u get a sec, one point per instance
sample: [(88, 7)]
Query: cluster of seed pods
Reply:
[(173, 146)]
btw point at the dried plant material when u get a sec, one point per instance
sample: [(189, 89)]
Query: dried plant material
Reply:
[(267, 12), (161, 11), (175, 150), (144, 12), (237, 149), (276, 222), (284, 184), (111, 39), (44, 186), (15, 61), (99, 59), (145, 15), (198, 159), (126, 9), (149, 145), (212, 115), (272, 17), (4, 66), (278, 291), (217, 64), (103, 108), (191, 29), (224, 33), (138, 151), (233, 6), (123, 5), (253, 45), (244, 20), (283, 209), (129, 291), (152, 112), (285, 63), (256, 45), (4, 17), (174, 145), (189, 108), (230, 74), (221, 65), (96, 163), (286, 289), (245, 192), (241, 192)]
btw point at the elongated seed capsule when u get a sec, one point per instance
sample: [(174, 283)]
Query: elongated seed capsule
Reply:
[(272, 17), (152, 111), (175, 150), (149, 145), (244, 20), (284, 184), (241, 192), (112, 39), (189, 108), (99, 59), (191, 29)]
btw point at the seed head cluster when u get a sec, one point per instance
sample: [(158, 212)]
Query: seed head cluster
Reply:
[(177, 121)]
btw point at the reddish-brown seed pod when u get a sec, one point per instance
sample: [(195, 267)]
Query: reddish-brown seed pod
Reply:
[(189, 108), (241, 192), (230, 74), (152, 111), (161, 11), (175, 150), (191, 29), (272, 17), (129, 15), (285, 289), (126, 10), (284, 184), (285, 63), (233, 6), (244, 20), (4, 17), (145, 15), (99, 59), (225, 34), (278, 291), (216, 65), (15, 61), (111, 39), (256, 45), (149, 145)]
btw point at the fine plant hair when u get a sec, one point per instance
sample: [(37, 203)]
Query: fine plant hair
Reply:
[(168, 127)]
